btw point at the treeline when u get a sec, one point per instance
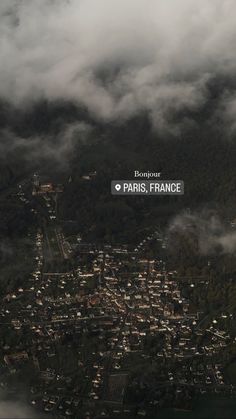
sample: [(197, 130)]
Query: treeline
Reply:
[(205, 161), (199, 154)]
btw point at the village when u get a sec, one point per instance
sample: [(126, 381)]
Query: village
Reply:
[(89, 315)]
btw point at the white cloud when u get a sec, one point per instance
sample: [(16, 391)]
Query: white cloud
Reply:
[(57, 147), (16, 410), (160, 54), (211, 233)]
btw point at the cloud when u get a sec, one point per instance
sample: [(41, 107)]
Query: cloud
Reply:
[(55, 147), (213, 236), (117, 58), (16, 410)]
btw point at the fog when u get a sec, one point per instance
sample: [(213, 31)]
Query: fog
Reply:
[(17, 410), (212, 234), (119, 58)]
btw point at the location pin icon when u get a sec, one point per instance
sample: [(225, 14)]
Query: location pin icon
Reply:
[(118, 187)]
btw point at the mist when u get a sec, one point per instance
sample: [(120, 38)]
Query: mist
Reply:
[(37, 148), (213, 235), (120, 58), (17, 410)]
